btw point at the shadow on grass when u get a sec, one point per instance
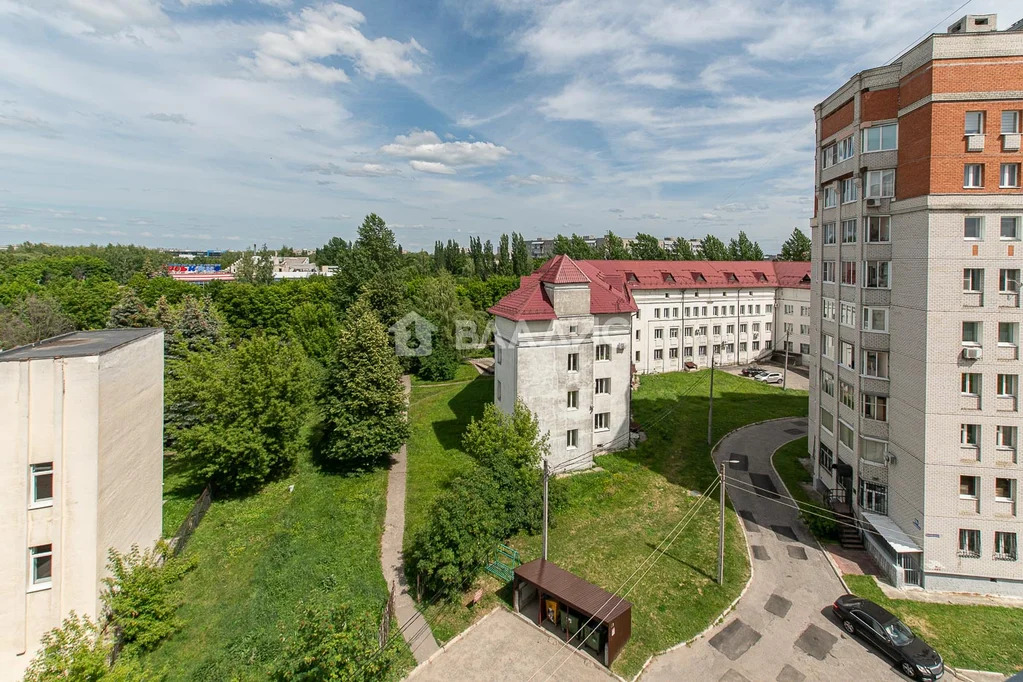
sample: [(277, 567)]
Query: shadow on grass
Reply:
[(467, 404), (692, 567)]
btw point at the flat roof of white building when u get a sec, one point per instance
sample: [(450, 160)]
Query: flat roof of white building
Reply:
[(78, 344)]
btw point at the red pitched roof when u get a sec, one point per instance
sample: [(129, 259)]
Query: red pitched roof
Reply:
[(562, 270), (793, 274), (531, 302)]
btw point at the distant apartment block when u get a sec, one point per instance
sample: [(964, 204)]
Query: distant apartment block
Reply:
[(914, 392), (81, 468)]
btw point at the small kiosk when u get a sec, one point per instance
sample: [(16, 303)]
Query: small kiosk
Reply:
[(594, 619)]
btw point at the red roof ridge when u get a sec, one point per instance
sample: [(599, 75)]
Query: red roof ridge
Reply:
[(562, 270)]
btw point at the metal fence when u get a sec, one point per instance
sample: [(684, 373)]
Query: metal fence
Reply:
[(386, 617), (191, 522)]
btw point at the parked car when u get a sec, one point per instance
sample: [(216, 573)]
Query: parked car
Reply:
[(751, 370), (769, 377), (911, 654)]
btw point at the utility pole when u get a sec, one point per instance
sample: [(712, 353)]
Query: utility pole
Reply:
[(721, 531), (785, 374), (710, 411), (546, 477)]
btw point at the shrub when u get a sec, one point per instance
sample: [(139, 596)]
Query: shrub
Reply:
[(72, 651), (440, 365), (821, 523)]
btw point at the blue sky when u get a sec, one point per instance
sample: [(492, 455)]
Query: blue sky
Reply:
[(220, 123)]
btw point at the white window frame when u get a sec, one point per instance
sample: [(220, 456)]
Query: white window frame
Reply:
[(971, 383), (973, 176), (879, 146), (602, 383), (868, 319), (1013, 328), (37, 471), (828, 346), (35, 556), (847, 316), (849, 231), (1006, 436), (828, 383), (875, 404), (884, 227), (852, 435), (973, 280), (977, 333), (880, 184), (602, 421), (828, 309), (980, 228), (1009, 220), (969, 543), (1011, 497), (1013, 128), (1004, 549), (1008, 176), (603, 352), (573, 361), (974, 485), (830, 196), (973, 123), (572, 400), (828, 267), (846, 149), (881, 360), (969, 434), (879, 266), (571, 439), (847, 354), (849, 191), (1007, 385), (1008, 280)]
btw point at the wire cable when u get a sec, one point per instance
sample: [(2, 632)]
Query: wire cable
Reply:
[(929, 32)]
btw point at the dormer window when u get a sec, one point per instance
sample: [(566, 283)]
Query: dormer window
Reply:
[(698, 277), (806, 279), (668, 277), (761, 277), (631, 277), (730, 276)]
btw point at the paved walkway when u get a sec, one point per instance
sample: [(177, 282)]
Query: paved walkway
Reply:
[(782, 628), (504, 646), (417, 634)]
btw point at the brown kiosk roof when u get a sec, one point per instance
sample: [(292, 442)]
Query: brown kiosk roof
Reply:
[(573, 590)]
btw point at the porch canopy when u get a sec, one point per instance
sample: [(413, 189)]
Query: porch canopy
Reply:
[(892, 534)]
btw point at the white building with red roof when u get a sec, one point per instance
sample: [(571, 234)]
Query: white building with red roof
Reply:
[(569, 339)]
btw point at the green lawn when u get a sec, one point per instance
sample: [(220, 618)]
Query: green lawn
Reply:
[(617, 516), (261, 557), (179, 494), (972, 637), (793, 473)]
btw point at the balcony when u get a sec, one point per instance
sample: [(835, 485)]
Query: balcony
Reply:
[(969, 506), (973, 299), (1010, 142), (974, 143)]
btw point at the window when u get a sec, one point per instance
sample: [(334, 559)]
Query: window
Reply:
[(845, 149), (974, 122), (657, 313), (42, 484), (1010, 227), (497, 389), (828, 345), (789, 310), (830, 197), (1005, 436), (875, 407), (972, 333), (666, 309), (717, 330), (637, 356), (696, 312), (848, 318), (1005, 489), (1008, 175), (573, 400), (973, 227), (688, 331), (849, 191), (877, 274), (973, 175), (637, 335), (674, 312), (602, 386), (573, 329), (828, 271), (1008, 281), (659, 333), (845, 435), (756, 345), (1010, 122), (847, 354), (846, 394), (673, 333), (804, 329), (571, 438), (702, 330), (1008, 333), (41, 558), (715, 311), (828, 383), (602, 421), (1005, 546), (804, 348), (875, 319), (498, 354), (827, 309), (881, 183), (968, 486), (703, 351), (827, 458), (730, 329), (874, 497), (969, 434), (1008, 385), (875, 364), (849, 231), (829, 155), (849, 272), (767, 326), (880, 138), (969, 543), (970, 384), (658, 354), (688, 351), (973, 280), (673, 353), (827, 421), (804, 311), (756, 327), (877, 229)]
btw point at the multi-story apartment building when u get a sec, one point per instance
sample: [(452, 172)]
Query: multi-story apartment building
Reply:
[(568, 340), (81, 466), (914, 396)]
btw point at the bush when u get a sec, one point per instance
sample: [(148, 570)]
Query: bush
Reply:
[(440, 365), (72, 651), (821, 523)]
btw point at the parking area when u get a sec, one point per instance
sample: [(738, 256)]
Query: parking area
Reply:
[(504, 646), (797, 378)]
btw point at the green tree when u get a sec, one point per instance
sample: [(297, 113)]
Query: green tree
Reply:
[(682, 250), (315, 326), (72, 651), (32, 319), (744, 249), (242, 411), (796, 247), (198, 324), (614, 248), (334, 643), (713, 248), (334, 252), (130, 311), (364, 400), (522, 263), (646, 247), (374, 251), (504, 259)]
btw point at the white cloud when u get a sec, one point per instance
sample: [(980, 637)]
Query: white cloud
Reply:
[(366, 170), (431, 167), (99, 16), (179, 119), (326, 31), (535, 179), (426, 146)]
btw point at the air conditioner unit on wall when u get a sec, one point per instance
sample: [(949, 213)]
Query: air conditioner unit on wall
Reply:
[(873, 203), (971, 353)]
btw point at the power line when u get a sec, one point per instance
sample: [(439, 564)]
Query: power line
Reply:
[(929, 32)]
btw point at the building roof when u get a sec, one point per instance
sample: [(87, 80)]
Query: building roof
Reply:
[(532, 302), (573, 590), (78, 344), (612, 281)]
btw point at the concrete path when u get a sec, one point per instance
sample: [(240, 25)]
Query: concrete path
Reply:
[(417, 634), (504, 646), (782, 628)]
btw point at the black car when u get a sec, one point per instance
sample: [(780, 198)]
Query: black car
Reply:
[(751, 370), (889, 634)]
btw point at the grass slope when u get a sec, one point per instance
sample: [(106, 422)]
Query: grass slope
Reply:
[(261, 557), (617, 516), (972, 637)]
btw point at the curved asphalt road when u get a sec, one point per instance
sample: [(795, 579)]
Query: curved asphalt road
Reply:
[(781, 629)]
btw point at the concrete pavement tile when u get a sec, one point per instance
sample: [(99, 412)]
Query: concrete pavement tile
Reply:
[(816, 642), (796, 552), (790, 674), (733, 676), (760, 553), (778, 605), (784, 533), (735, 640)]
